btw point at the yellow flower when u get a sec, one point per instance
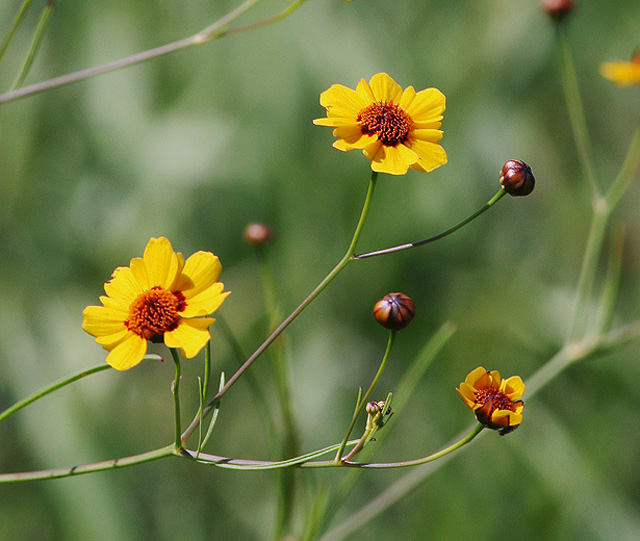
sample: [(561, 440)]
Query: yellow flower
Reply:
[(395, 129), (622, 73), (494, 400), (159, 297)]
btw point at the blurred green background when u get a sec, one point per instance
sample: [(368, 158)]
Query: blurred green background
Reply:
[(196, 145)]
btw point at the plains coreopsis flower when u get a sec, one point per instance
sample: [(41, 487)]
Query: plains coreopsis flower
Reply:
[(495, 400), (396, 129), (622, 73), (159, 297)]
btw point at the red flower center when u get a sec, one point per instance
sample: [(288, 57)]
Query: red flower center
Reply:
[(389, 122), (499, 400), (155, 312)]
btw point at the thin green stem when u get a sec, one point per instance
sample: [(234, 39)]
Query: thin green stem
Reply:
[(453, 229), (363, 401), (324, 283), (176, 397), (627, 172), (256, 390), (14, 27), (214, 31), (72, 471), (576, 110), (49, 389), (288, 443), (306, 461), (35, 44), (580, 318)]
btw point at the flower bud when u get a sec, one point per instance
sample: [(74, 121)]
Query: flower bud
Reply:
[(516, 178), (394, 311), (372, 408), (258, 234), (558, 9)]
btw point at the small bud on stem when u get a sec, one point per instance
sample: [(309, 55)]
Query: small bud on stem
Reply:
[(394, 311), (516, 178)]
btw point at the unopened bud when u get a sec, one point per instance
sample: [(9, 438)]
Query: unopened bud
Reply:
[(516, 178), (257, 234), (372, 408), (558, 9), (394, 311)]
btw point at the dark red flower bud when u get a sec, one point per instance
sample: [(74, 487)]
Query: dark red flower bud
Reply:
[(516, 178), (558, 9), (257, 234), (394, 311)]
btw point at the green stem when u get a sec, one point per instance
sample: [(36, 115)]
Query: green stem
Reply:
[(58, 473), (627, 172), (215, 31), (363, 401), (14, 27), (453, 229), (176, 397), (324, 283), (35, 44), (306, 462), (256, 390), (49, 389), (576, 110), (288, 442), (580, 318)]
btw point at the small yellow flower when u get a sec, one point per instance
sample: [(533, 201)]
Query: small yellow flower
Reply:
[(494, 400), (395, 129), (622, 73), (159, 297)]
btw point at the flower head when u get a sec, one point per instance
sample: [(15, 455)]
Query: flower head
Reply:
[(159, 297), (495, 401), (622, 73), (395, 129)]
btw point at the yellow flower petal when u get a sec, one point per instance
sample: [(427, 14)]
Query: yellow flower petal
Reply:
[(206, 302), (98, 320), (384, 88), (513, 387), (161, 263), (200, 271), (128, 353), (427, 106), (123, 287), (430, 155), (190, 336), (622, 73)]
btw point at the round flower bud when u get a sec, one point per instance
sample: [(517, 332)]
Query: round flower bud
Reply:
[(258, 234), (372, 408), (558, 9), (516, 178), (394, 311)]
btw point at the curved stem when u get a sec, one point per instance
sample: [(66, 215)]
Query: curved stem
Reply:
[(14, 27), (366, 396), (305, 462), (576, 110), (215, 31), (176, 397), (58, 473), (35, 43), (49, 389), (627, 172), (453, 229), (324, 283)]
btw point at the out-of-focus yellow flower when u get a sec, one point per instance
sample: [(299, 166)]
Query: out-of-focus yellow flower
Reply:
[(395, 129), (159, 297), (495, 401), (622, 73)]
